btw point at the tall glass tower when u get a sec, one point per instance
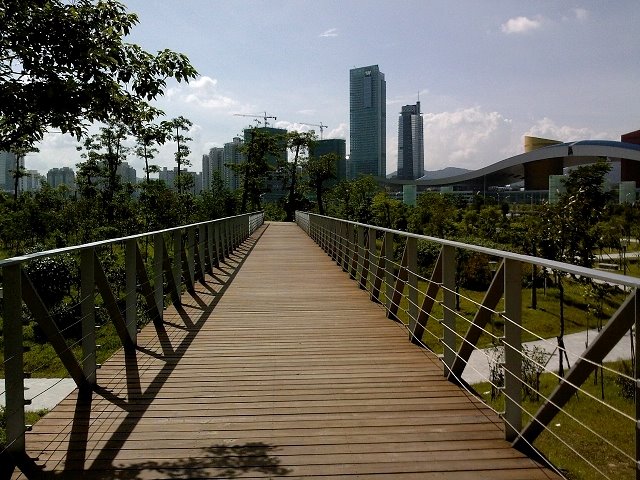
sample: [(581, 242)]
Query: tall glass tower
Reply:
[(368, 112), (410, 143)]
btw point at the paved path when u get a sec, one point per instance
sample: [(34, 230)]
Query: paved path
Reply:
[(477, 369)]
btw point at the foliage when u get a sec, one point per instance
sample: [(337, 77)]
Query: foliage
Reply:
[(319, 171), (66, 63), (353, 199), (299, 144), (177, 127), (52, 277), (572, 226), (256, 170)]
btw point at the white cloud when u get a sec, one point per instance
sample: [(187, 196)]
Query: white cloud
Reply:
[(547, 128), (469, 138), (581, 14), (521, 25), (202, 92), (339, 132), (332, 32)]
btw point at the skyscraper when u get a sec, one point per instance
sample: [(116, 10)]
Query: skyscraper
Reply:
[(212, 162), (232, 156), (410, 143), (368, 111)]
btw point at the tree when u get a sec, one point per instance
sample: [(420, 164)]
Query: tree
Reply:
[(104, 153), (148, 135), (66, 64), (20, 149), (571, 228), (256, 169), (180, 125), (298, 143), (319, 171), (353, 199)]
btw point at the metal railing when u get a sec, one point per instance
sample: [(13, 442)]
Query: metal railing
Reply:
[(169, 259), (384, 262)]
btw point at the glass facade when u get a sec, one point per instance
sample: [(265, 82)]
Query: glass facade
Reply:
[(410, 143), (368, 111)]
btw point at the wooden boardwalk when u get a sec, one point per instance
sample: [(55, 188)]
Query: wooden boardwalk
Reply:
[(279, 367)]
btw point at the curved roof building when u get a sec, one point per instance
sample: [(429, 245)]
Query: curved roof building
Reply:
[(542, 158)]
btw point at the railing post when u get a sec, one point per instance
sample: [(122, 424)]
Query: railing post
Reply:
[(14, 360), (448, 307), (202, 234), (373, 254), (158, 286), (210, 258), (217, 246), (131, 289), (364, 255), (225, 238), (346, 241), (177, 260), (512, 349), (191, 253), (412, 281), (388, 269), (636, 367), (88, 312), (335, 241), (355, 252)]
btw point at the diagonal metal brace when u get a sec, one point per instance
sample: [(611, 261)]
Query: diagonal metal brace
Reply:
[(617, 326), (482, 317), (49, 327)]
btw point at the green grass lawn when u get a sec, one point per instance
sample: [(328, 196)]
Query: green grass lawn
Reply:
[(616, 428), (544, 321)]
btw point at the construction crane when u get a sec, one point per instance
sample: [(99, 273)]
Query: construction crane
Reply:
[(321, 126), (264, 116)]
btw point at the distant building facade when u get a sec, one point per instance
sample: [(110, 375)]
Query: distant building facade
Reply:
[(212, 162), (127, 173), (367, 116), (337, 146), (232, 155), (7, 167), (169, 177), (410, 143), (31, 182), (62, 176)]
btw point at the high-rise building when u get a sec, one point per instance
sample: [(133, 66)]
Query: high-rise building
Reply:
[(337, 146), (232, 156), (368, 112), (127, 173), (410, 143), (62, 176), (7, 167), (212, 162), (169, 178), (31, 182)]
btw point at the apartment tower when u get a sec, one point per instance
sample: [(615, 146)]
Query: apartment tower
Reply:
[(367, 106)]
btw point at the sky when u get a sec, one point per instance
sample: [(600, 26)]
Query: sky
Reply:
[(486, 72)]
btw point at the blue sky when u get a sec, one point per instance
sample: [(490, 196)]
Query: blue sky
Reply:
[(487, 72)]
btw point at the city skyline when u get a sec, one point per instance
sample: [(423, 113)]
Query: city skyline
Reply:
[(487, 73)]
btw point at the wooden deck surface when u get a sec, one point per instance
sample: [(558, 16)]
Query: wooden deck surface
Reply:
[(279, 367)]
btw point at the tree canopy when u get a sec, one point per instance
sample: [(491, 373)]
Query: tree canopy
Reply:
[(66, 64)]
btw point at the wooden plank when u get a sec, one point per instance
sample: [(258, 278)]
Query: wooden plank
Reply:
[(278, 365)]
